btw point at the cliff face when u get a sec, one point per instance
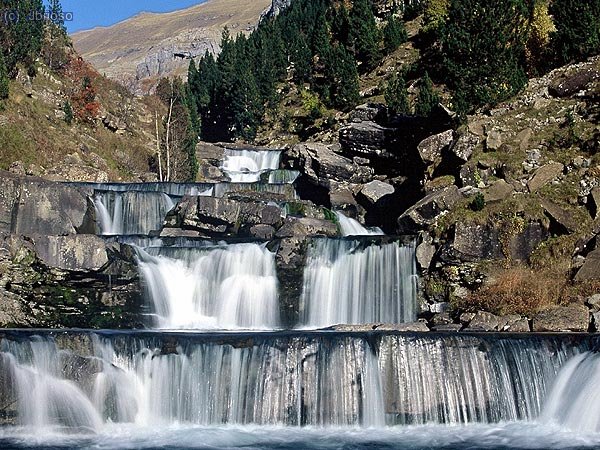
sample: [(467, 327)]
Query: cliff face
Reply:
[(138, 51)]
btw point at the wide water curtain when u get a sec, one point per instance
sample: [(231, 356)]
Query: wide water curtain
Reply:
[(222, 286), (357, 282), (299, 379)]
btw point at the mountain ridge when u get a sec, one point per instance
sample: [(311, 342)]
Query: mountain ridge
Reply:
[(158, 36)]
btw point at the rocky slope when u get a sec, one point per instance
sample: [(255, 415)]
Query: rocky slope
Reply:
[(138, 51)]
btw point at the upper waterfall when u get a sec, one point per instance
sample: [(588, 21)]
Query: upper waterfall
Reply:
[(352, 227), (246, 166)]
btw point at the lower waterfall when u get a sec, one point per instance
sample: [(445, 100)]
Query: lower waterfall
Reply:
[(212, 286), (327, 379), (358, 282)]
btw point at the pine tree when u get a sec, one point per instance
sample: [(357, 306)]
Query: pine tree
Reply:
[(364, 34), (344, 77), (427, 99), (56, 38), (396, 95), (484, 67), (394, 34), (577, 29), (21, 40), (4, 86)]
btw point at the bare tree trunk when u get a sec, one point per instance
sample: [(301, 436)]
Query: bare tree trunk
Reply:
[(168, 143), (158, 151)]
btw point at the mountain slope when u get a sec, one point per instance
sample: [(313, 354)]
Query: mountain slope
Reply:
[(137, 51)]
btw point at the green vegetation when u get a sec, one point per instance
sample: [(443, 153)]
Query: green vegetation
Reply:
[(396, 95), (577, 33), (427, 99), (180, 133), (321, 45)]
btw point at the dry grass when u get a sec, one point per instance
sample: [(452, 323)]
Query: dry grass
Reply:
[(518, 290)]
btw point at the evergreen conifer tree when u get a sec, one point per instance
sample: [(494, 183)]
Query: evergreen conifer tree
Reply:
[(4, 86), (394, 34), (396, 95), (364, 34), (427, 98), (577, 29)]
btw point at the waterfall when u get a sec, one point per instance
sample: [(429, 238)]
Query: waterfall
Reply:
[(212, 286), (574, 401), (132, 212), (246, 166), (319, 379), (358, 282), (352, 227)]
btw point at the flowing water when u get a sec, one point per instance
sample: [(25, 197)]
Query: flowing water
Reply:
[(284, 390), (219, 373), (212, 286), (352, 227), (357, 282), (247, 166)]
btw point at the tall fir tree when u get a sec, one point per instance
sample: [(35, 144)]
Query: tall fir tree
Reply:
[(364, 34), (394, 33), (427, 99), (577, 29), (344, 79), (4, 82), (484, 67), (396, 95)]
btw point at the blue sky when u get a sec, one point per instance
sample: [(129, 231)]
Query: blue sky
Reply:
[(93, 13)]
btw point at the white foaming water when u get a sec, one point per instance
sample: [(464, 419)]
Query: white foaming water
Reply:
[(351, 282), (228, 286), (246, 166), (133, 212), (261, 379), (352, 227), (574, 401)]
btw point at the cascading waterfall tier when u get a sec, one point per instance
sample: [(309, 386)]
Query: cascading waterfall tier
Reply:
[(131, 212), (211, 285), (286, 378), (247, 166), (352, 227), (358, 281)]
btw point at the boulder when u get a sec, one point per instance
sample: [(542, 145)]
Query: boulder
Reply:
[(426, 212), (561, 216), (30, 206), (342, 198), (365, 137), (77, 253), (571, 84), (425, 253), (320, 164), (498, 191), (593, 302), (590, 270), (484, 321), (493, 141), (464, 146), (369, 112), (544, 175), (262, 231), (305, 226), (432, 148), (375, 191), (290, 260), (562, 318)]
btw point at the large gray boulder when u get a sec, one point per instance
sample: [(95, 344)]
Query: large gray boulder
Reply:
[(31, 206), (306, 226), (431, 150), (376, 191), (428, 210), (78, 253), (562, 318), (320, 164), (365, 137)]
